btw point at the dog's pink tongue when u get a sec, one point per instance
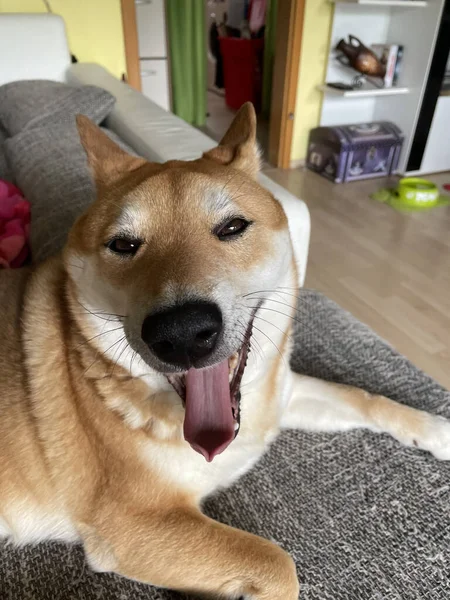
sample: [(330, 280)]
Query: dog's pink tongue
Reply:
[(208, 423)]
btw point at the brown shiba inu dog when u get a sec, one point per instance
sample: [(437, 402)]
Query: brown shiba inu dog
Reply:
[(128, 389)]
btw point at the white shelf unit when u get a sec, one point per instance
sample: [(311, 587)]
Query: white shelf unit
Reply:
[(364, 92), (383, 23), (402, 3)]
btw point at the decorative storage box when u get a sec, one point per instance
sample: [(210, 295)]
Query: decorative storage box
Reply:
[(351, 152)]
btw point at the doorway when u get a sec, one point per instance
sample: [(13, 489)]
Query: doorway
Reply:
[(218, 115), (240, 54), (276, 122)]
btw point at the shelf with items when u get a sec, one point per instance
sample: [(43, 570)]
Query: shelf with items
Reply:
[(378, 23), (363, 92), (402, 3)]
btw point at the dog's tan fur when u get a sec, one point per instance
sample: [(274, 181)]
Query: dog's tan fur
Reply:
[(89, 450)]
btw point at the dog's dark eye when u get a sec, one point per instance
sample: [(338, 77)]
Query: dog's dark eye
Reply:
[(123, 246), (232, 228)]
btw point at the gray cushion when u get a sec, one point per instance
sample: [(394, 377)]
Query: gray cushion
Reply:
[(26, 104), (5, 172), (364, 518), (50, 168)]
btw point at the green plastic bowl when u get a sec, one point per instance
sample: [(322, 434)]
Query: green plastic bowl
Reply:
[(413, 192)]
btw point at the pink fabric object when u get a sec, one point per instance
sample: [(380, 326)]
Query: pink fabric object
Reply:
[(257, 15), (14, 226)]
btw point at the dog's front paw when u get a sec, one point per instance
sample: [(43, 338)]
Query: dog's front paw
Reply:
[(434, 436)]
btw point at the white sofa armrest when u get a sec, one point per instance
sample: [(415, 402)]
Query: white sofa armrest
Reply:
[(159, 136), (152, 131), (298, 219)]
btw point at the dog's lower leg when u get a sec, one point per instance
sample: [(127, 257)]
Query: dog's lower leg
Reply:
[(186, 551), (322, 406)]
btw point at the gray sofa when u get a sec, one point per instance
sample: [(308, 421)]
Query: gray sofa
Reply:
[(364, 518)]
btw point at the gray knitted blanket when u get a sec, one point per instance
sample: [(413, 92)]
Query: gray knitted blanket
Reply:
[(364, 518)]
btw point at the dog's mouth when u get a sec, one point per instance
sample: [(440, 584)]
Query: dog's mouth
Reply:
[(211, 397)]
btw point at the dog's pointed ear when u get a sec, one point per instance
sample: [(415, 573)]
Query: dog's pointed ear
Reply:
[(107, 161), (239, 148)]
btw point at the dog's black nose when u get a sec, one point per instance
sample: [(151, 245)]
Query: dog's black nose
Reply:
[(183, 335)]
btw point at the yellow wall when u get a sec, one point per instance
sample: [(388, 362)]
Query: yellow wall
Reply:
[(313, 63), (94, 28)]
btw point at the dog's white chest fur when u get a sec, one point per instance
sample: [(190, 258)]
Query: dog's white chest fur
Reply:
[(26, 522)]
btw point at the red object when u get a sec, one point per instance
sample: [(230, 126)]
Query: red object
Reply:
[(447, 187), (242, 66), (14, 226)]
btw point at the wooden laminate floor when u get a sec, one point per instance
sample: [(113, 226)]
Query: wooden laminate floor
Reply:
[(390, 270)]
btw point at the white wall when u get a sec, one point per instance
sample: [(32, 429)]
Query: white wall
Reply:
[(416, 29), (437, 150)]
